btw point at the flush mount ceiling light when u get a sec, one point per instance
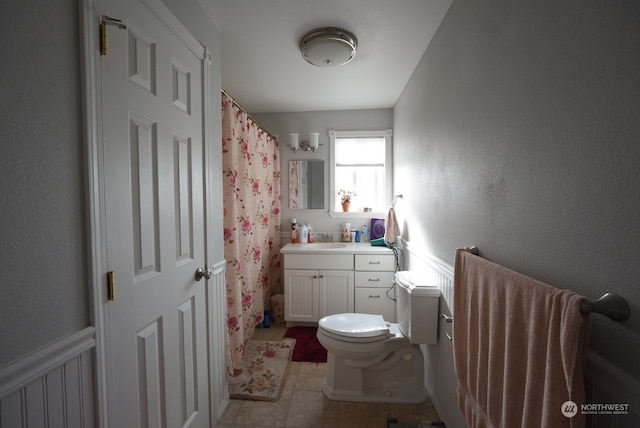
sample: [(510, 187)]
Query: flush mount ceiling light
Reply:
[(328, 46)]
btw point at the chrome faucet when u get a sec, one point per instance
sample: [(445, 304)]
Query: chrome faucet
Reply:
[(326, 237)]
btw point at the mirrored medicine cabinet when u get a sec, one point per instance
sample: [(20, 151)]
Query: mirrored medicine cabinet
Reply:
[(306, 184)]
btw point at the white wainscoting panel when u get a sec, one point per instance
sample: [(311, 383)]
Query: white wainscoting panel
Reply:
[(53, 387), (217, 298), (605, 383), (436, 271), (440, 376)]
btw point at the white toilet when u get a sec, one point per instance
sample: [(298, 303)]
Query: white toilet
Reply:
[(371, 360)]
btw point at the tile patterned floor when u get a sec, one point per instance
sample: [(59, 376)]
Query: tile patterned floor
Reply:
[(303, 405)]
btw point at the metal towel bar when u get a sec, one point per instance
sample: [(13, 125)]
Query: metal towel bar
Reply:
[(611, 305)]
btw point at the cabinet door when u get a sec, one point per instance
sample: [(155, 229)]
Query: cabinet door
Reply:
[(301, 295), (375, 301), (336, 292)]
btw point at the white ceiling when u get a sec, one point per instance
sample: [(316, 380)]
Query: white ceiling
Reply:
[(263, 70)]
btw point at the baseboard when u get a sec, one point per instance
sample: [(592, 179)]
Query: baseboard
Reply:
[(436, 403)]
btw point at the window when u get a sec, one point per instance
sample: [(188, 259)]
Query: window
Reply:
[(361, 162)]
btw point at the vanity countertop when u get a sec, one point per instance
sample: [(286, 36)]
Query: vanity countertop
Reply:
[(334, 248)]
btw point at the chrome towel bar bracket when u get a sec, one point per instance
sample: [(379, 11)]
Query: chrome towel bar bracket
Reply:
[(610, 305), (395, 199)]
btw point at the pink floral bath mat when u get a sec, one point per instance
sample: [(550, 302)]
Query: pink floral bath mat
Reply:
[(264, 370)]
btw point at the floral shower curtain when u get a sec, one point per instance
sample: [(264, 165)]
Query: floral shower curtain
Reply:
[(251, 189)]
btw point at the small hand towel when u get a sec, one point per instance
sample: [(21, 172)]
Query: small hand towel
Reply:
[(519, 347), (392, 229)]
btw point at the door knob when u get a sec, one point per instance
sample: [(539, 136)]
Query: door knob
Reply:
[(203, 273)]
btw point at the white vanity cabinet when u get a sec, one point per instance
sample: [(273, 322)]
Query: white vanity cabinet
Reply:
[(301, 295), (317, 285), (323, 279), (374, 291), (335, 292)]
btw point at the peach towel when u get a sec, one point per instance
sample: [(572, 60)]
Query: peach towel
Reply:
[(392, 229), (519, 347)]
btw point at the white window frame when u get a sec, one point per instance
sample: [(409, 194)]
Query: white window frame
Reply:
[(334, 212)]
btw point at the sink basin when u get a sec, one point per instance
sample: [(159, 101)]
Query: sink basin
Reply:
[(319, 245)]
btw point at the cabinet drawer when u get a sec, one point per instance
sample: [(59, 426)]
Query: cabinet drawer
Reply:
[(374, 279), (375, 301), (318, 261), (375, 262)]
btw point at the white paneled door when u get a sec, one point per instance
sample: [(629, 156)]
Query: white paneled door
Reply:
[(152, 77)]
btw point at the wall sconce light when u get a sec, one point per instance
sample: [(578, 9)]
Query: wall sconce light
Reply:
[(311, 144), (294, 144)]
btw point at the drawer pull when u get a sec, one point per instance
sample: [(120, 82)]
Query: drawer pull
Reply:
[(374, 279), (374, 263), (374, 297)]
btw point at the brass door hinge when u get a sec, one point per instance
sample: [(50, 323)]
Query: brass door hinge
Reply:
[(106, 20), (111, 286)]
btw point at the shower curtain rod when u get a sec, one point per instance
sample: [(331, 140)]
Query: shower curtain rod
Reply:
[(248, 115)]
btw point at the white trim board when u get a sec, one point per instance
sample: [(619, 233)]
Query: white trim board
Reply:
[(53, 386), (37, 364)]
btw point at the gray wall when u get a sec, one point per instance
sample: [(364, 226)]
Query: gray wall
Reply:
[(44, 290), (43, 279), (317, 121), (525, 118)]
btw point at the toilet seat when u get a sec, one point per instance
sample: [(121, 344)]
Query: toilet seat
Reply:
[(370, 360), (355, 327)]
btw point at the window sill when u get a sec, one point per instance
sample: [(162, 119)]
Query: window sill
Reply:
[(359, 214)]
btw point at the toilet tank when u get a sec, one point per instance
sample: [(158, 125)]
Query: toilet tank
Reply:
[(417, 307)]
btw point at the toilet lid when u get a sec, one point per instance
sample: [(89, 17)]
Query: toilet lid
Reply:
[(417, 284), (356, 325)]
